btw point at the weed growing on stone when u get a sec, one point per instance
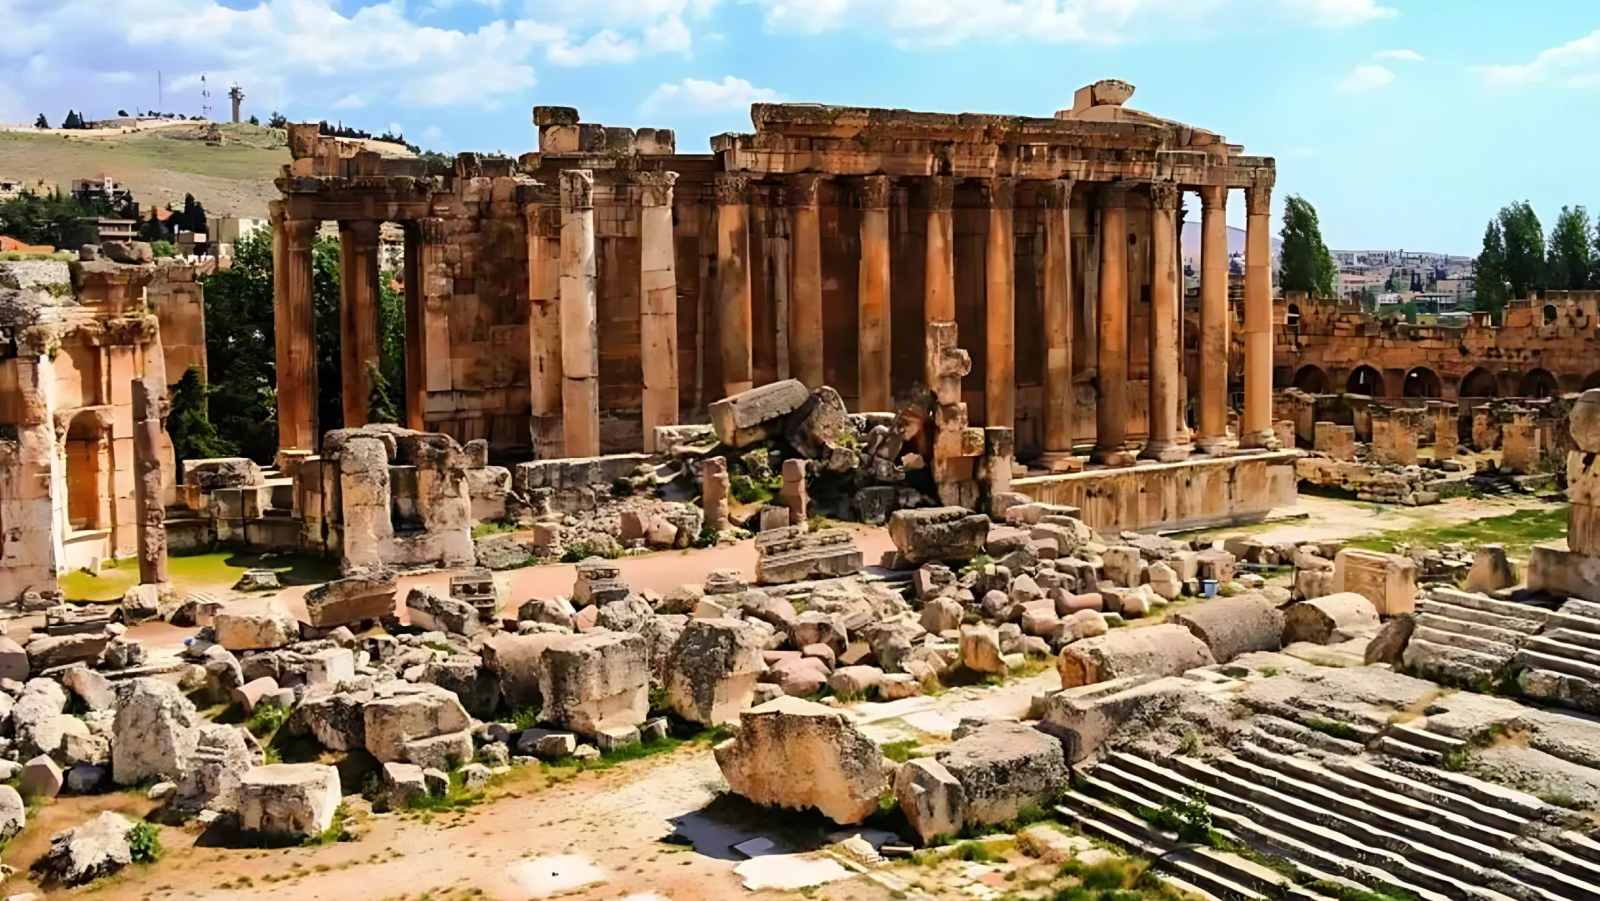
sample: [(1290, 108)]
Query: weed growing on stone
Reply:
[(144, 842), (900, 751), (267, 719), (1328, 727)]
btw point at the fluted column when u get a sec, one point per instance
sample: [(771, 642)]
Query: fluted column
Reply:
[(427, 317), (1255, 426), (872, 305), (1163, 328), (544, 320), (359, 352), (658, 304), (1111, 406), (1000, 359), (580, 352), (295, 331), (805, 292), (733, 282), (1211, 419), (1057, 293), (939, 280)]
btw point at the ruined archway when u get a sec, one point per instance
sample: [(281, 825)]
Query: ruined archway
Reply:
[(1422, 382), (1365, 380), (1538, 383), (1312, 380), (88, 465), (1479, 382)]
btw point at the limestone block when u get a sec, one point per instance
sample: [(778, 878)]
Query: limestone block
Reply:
[(35, 719), (239, 631), (292, 800), (1087, 716), (13, 660), (1389, 581), (1124, 566), (401, 712), (351, 600), (818, 424), (221, 472), (443, 752), (88, 852), (1164, 650), (931, 798), (1583, 423), (222, 755), (944, 534), (330, 667), (713, 670), (757, 414), (941, 615), (431, 610), (1234, 626), (13, 812), (793, 554), (336, 719), (94, 689), (251, 693), (980, 650), (1004, 768), (796, 754), (1329, 619), (50, 651), (403, 781), (596, 681), (154, 733), (799, 677), (40, 778), (1491, 570)]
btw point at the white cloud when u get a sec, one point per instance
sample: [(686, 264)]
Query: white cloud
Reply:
[(1365, 78), (692, 96), (1410, 56), (350, 101), (1575, 64), (1339, 13), (602, 48)]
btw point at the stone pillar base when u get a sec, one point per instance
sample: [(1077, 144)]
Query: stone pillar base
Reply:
[(1165, 452), (1060, 461), (1215, 444), (1119, 457), (1263, 440)]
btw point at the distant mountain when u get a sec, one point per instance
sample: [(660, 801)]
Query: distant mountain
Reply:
[(1236, 236)]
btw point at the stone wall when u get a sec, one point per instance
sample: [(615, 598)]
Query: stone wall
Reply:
[(1173, 495)]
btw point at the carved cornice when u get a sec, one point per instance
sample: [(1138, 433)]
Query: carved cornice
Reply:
[(577, 189), (941, 193), (1258, 200), (732, 188), (873, 190), (657, 187), (1114, 195), (1000, 192), (801, 190), (1164, 196), (1058, 193)]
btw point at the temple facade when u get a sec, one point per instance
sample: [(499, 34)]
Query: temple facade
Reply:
[(571, 301)]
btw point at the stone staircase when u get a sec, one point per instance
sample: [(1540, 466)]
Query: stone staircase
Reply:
[(1562, 663), (1341, 821), (1469, 639)]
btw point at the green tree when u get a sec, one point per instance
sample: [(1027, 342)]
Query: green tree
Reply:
[(41, 122), (193, 217), (1570, 263), (1524, 243), (254, 121), (240, 350), (73, 120), (277, 120), (194, 437), (54, 218), (1306, 265), (1491, 289), (162, 249), (1369, 301)]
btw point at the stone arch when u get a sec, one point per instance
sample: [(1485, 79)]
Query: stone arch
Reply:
[(1422, 382), (1479, 382), (1312, 380), (1550, 314), (1365, 380), (87, 472), (1538, 383), (1291, 317)]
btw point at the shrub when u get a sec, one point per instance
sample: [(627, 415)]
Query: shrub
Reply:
[(144, 840), (267, 719)]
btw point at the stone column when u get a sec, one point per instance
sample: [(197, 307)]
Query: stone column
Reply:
[(805, 293), (939, 279), (733, 280), (580, 352), (658, 304), (1057, 292), (545, 382), (428, 347), (1446, 428), (1000, 361), (149, 513), (1164, 347), (1211, 415), (1111, 407), (872, 305), (294, 331), (358, 316), (1255, 426)]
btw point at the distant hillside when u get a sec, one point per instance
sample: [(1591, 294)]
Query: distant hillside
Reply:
[(1236, 236), (160, 165)]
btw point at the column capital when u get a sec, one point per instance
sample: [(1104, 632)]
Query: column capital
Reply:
[(363, 231), (1258, 200), (577, 189), (1114, 195), (1213, 197), (873, 191), (732, 188), (1000, 192), (941, 193), (657, 187), (1058, 192), (301, 233), (801, 190), (430, 231), (1164, 195)]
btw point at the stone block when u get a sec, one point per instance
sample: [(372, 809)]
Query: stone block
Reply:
[(799, 755), (239, 631), (1164, 650), (351, 600), (595, 681), (945, 534), (755, 415), (1389, 581), (291, 800)]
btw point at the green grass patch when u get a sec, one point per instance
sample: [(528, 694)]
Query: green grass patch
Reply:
[(492, 527), (267, 719), (1329, 727), (580, 551), (899, 751), (1518, 531)]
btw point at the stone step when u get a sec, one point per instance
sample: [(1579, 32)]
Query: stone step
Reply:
[(1561, 619), (1422, 738), (1307, 736), (1578, 868), (1555, 647), (1276, 742), (1405, 750), (1580, 608), (1311, 846), (1485, 815), (1232, 869), (1583, 638), (1559, 687), (1436, 817), (1429, 656), (1467, 639), (1537, 660), (1488, 794), (1482, 617), (1109, 822), (1485, 604)]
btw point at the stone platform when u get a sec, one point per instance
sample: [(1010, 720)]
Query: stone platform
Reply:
[(1197, 493), (1556, 568)]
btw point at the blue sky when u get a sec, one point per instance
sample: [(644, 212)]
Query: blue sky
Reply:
[(1407, 123)]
